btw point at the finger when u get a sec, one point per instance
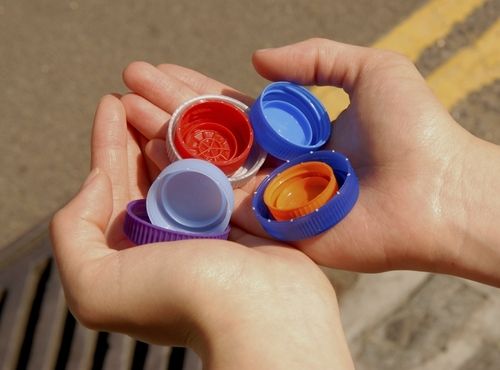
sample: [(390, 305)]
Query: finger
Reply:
[(318, 62), (156, 151), (138, 176), (77, 230), (146, 117), (243, 215), (152, 169), (109, 149), (202, 84), (164, 91)]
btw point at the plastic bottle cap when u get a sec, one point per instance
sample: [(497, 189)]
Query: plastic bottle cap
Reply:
[(205, 127), (322, 218), (300, 190), (215, 131), (139, 230), (289, 121), (191, 195), (210, 141)]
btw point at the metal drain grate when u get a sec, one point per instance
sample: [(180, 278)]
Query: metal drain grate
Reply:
[(37, 332)]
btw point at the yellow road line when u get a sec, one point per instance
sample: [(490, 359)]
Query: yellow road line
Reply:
[(426, 25), (421, 29), (469, 69), (335, 100)]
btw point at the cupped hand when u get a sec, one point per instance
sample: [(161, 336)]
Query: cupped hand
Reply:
[(231, 301), (409, 154)]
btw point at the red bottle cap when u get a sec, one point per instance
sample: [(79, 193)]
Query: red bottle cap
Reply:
[(217, 132)]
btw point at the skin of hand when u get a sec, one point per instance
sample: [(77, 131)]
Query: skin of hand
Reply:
[(426, 184), (249, 303)]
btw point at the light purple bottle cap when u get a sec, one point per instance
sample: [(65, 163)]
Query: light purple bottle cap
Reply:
[(191, 195), (140, 230)]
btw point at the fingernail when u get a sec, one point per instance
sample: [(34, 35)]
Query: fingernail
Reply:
[(264, 50), (92, 175)]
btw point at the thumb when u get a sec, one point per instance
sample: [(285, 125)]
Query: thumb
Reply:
[(77, 230), (319, 62)]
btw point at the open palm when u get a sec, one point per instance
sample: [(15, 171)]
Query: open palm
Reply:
[(401, 141), (198, 293)]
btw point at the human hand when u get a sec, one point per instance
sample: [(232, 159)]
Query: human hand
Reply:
[(247, 303), (415, 209), (420, 205)]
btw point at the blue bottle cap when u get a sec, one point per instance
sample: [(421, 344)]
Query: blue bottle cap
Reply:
[(322, 218), (191, 195), (289, 121)]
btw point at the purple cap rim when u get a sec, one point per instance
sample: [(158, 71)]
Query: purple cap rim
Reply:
[(140, 230)]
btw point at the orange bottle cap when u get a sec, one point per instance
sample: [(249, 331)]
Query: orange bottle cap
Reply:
[(300, 190)]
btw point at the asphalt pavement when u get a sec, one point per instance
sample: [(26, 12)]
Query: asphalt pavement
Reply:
[(59, 57)]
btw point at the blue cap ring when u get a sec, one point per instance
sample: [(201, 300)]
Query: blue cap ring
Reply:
[(289, 121), (322, 218)]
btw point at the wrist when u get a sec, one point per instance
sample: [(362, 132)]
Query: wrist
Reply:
[(280, 347), (474, 252), (299, 331)]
